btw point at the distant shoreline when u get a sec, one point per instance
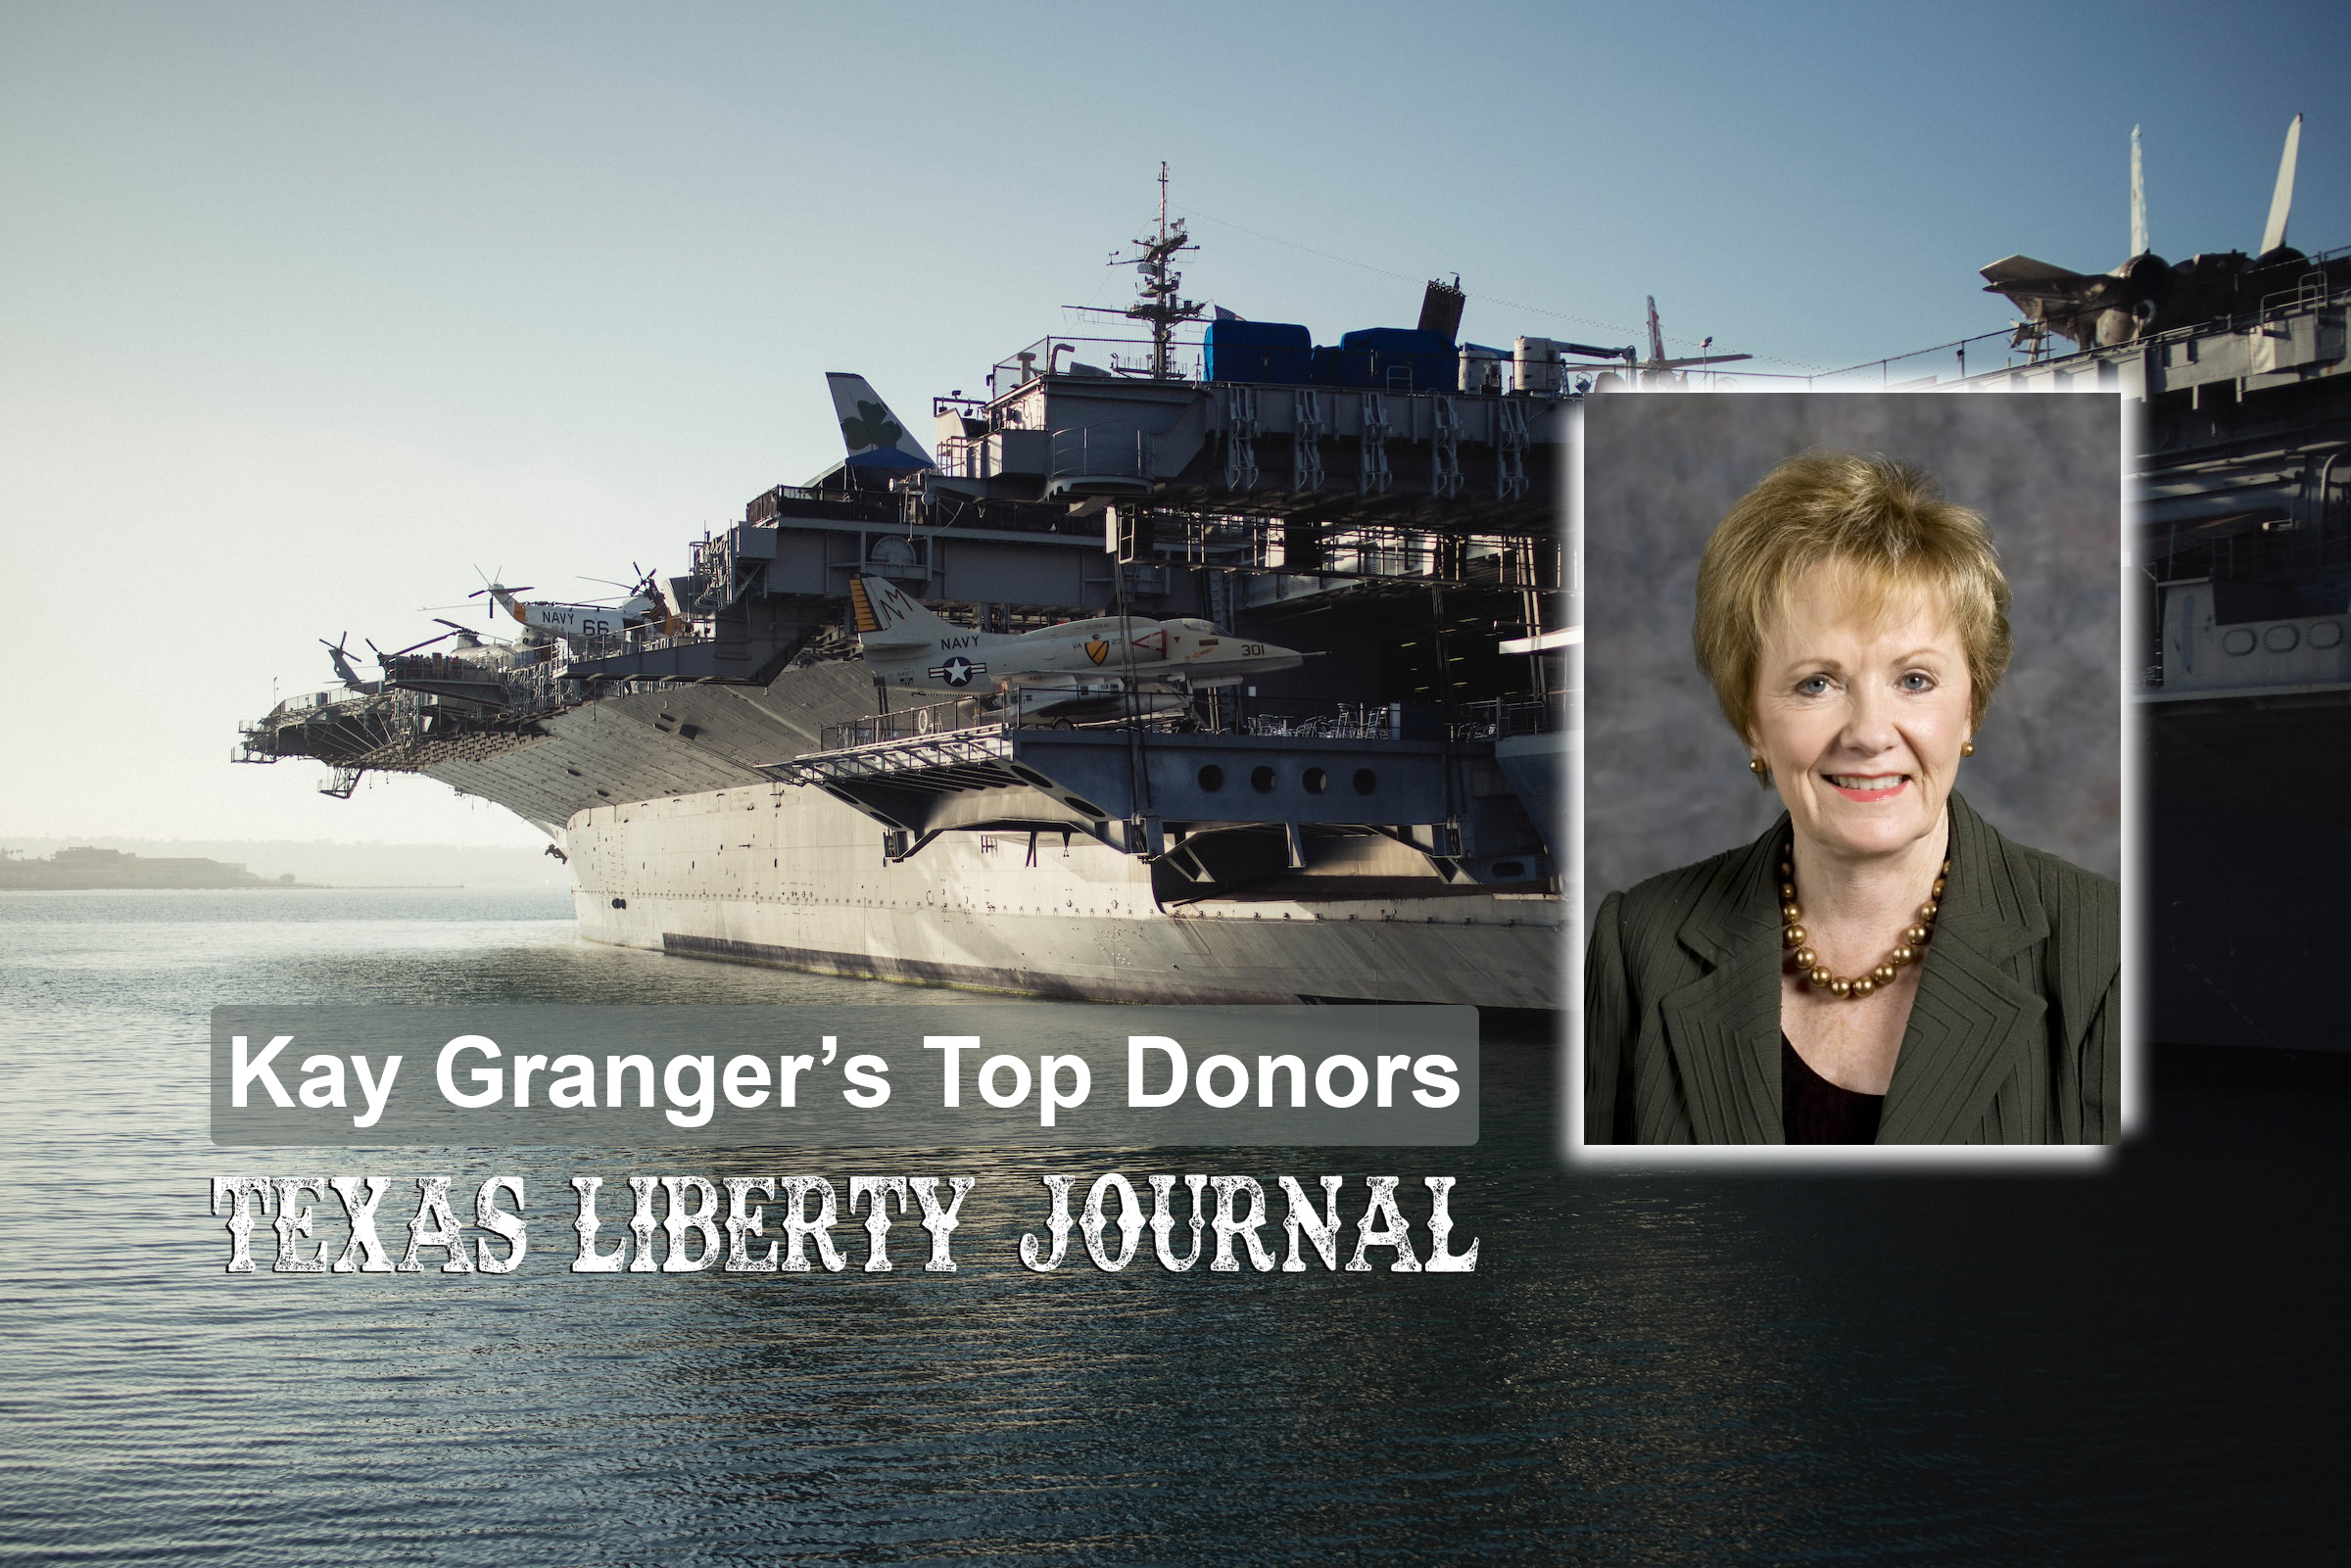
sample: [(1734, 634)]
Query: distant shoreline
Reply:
[(306, 864)]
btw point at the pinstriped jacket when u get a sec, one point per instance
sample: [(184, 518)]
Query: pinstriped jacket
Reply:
[(2014, 1037)]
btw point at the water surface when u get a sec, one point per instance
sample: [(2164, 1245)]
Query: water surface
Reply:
[(1643, 1370)]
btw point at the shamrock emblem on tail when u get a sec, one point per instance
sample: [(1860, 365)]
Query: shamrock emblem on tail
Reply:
[(870, 426)]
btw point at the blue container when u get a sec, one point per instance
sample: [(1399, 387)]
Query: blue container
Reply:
[(1342, 367), (1259, 350), (1404, 359)]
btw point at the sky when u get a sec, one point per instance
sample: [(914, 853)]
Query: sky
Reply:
[(315, 311)]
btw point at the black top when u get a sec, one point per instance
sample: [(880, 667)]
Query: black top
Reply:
[(1815, 1111), (2013, 1037)]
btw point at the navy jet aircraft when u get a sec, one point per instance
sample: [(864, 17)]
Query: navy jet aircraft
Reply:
[(909, 647), (2146, 295)]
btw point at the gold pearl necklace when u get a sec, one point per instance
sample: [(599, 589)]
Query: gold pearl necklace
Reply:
[(1808, 962)]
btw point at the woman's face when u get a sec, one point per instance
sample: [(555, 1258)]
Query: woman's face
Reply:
[(1861, 718)]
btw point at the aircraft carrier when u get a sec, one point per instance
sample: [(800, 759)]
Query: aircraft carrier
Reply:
[(729, 779), (1387, 821), (2239, 365)]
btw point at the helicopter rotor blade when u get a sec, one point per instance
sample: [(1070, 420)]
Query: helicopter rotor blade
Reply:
[(412, 647), (494, 589)]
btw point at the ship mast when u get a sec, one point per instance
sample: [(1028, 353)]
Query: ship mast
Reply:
[(1158, 283)]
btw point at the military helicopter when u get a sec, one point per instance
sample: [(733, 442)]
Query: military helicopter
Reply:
[(2146, 295), (340, 657), (646, 606), (907, 645), (339, 654)]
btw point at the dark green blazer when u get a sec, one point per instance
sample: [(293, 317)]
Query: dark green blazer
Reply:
[(2014, 1039)]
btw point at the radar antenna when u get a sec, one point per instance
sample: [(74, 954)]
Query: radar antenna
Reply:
[(1158, 283)]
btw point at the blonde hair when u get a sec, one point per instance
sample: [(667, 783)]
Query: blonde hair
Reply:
[(1887, 525)]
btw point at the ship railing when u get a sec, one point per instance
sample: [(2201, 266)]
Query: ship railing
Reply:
[(2312, 293), (771, 503), (1502, 718), (1496, 719), (1086, 458), (1204, 713), (1939, 366), (256, 742), (522, 688), (309, 704), (1124, 357), (907, 723), (436, 667), (710, 577), (963, 456), (1064, 707), (636, 640), (1338, 721)]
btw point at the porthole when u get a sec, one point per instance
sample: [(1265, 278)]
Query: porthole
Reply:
[(621, 903), (1366, 781), (2326, 635), (2238, 641), (2282, 638), (1261, 780), (1212, 777), (1316, 780)]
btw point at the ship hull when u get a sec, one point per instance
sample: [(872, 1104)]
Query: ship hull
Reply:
[(776, 874)]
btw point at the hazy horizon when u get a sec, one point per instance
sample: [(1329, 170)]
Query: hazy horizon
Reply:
[(329, 862)]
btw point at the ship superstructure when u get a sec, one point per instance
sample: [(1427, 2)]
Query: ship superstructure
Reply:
[(2242, 561), (2239, 365), (1370, 815), (2244, 557)]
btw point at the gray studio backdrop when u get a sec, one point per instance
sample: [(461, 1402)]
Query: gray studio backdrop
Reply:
[(1666, 782)]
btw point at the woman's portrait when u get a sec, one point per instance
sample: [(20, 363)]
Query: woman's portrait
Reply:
[(1892, 958)]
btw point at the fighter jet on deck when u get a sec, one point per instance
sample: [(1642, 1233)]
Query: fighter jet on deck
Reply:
[(2146, 295), (909, 647)]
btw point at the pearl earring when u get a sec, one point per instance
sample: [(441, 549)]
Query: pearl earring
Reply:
[(1967, 749)]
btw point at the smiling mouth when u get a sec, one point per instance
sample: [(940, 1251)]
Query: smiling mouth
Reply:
[(1867, 786)]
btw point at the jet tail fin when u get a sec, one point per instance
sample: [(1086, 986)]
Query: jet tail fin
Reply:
[(2139, 199), (876, 437), (2281, 200), (886, 617)]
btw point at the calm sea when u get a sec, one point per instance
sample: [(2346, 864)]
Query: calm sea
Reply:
[(2141, 1366)]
